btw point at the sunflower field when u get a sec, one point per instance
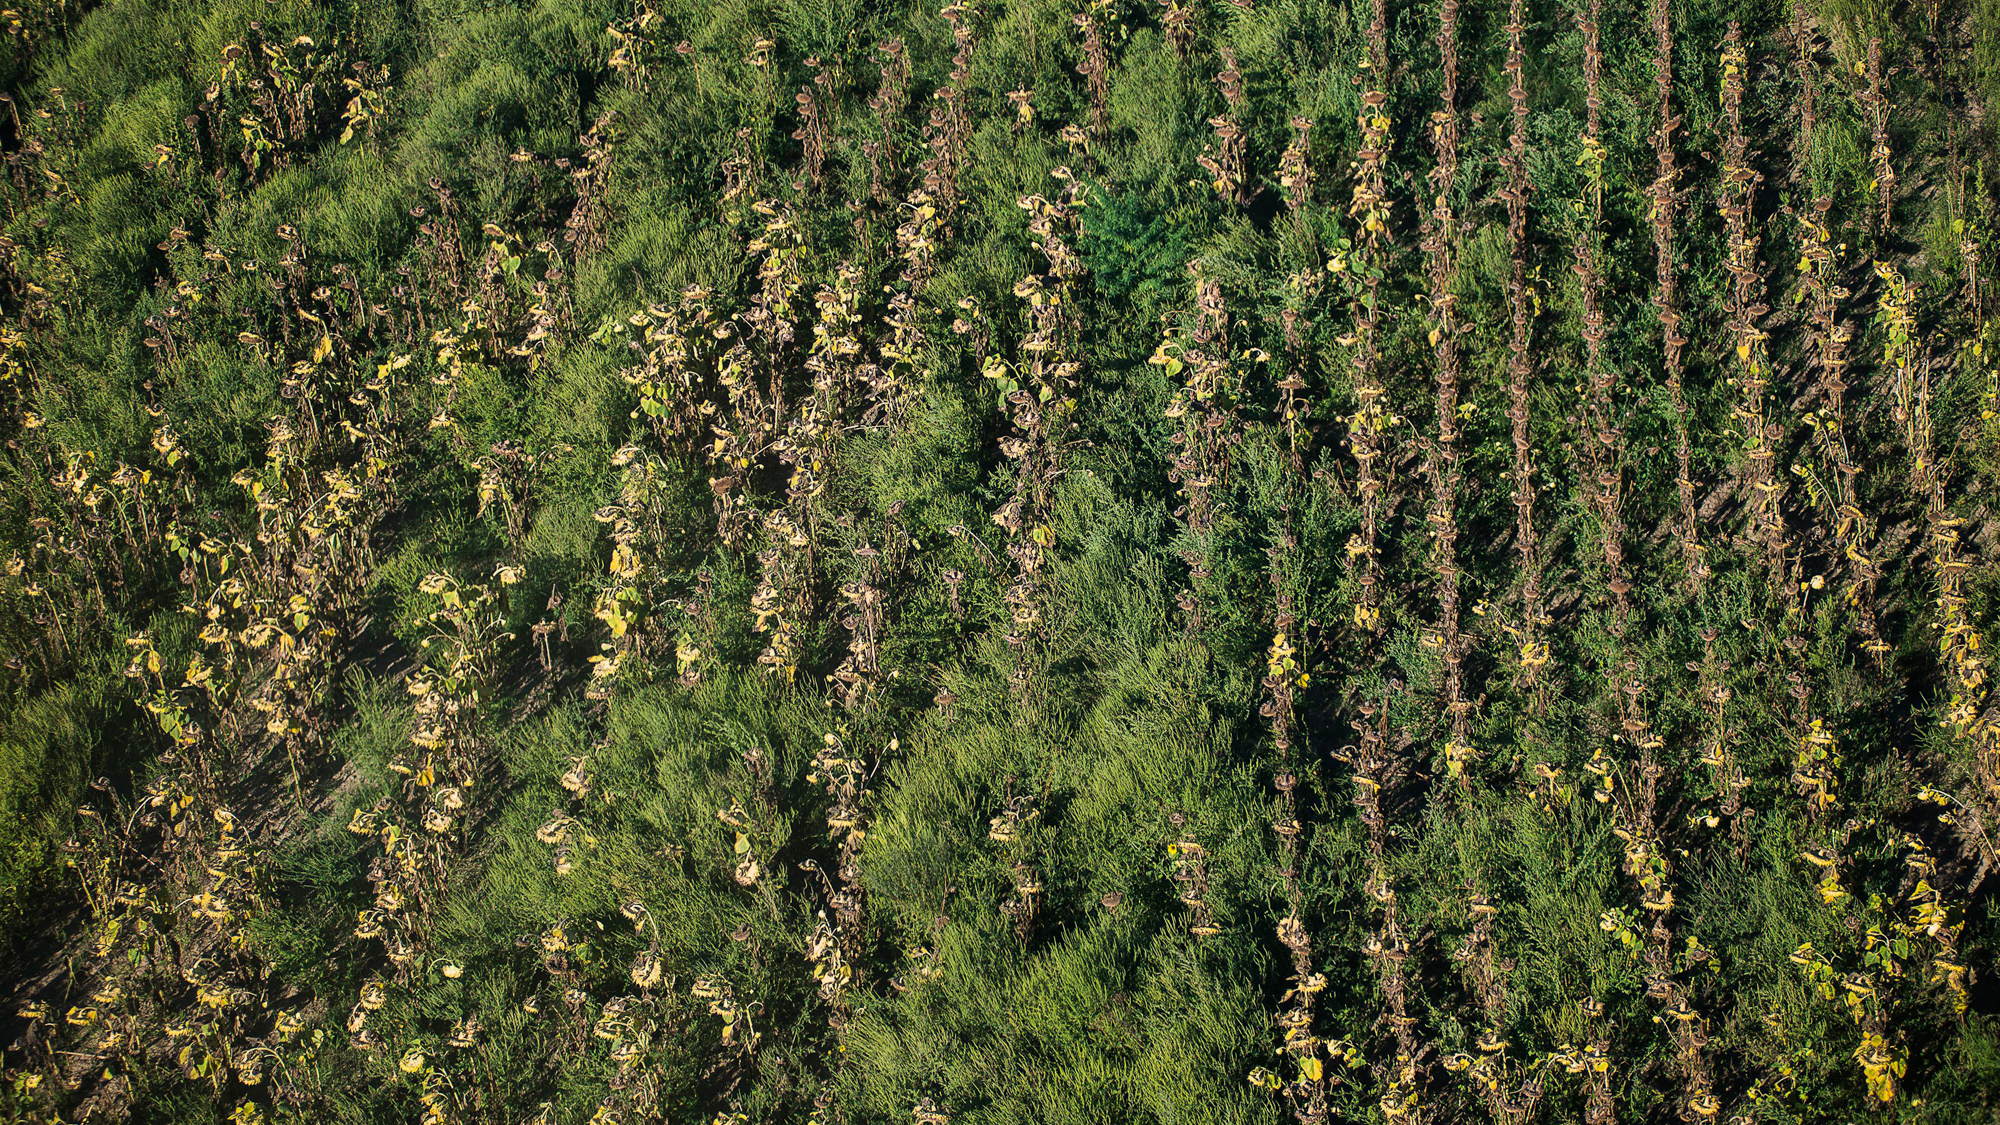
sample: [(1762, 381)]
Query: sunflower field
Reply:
[(1046, 562)]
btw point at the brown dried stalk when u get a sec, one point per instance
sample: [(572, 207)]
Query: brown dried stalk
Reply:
[(950, 123), (1295, 1020), (1295, 166), (1440, 233), (1096, 65), (1603, 470), (1718, 739), (1207, 405), (584, 229), (1646, 863), (1846, 529), (1375, 760), (1805, 45), (890, 101), (1178, 19), (1971, 712), (1533, 651), (1229, 162), (855, 683), (1041, 409), (1369, 208), (811, 133), (1877, 104), (1376, 771), (1666, 289), (1745, 304)]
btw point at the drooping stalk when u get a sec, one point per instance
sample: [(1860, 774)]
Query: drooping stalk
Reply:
[(950, 125), (1376, 758), (1603, 476), (1210, 427), (1666, 290), (1761, 486), (1228, 162), (1440, 242), (1848, 529), (1370, 209), (1533, 651), (1096, 65), (1969, 712), (1283, 676), (1877, 104), (1603, 462), (1041, 407)]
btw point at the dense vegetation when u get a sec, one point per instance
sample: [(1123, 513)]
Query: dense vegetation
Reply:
[(1041, 561)]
